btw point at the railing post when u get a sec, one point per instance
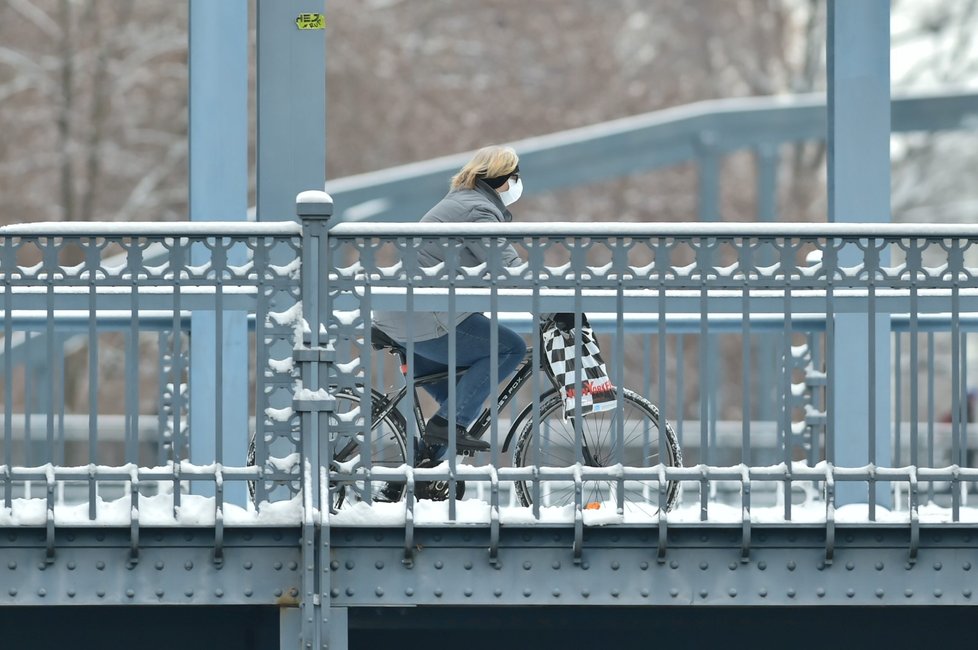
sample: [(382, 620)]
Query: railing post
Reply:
[(313, 405)]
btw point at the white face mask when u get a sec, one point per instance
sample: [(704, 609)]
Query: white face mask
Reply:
[(514, 192)]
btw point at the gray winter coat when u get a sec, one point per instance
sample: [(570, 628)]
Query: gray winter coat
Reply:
[(481, 204)]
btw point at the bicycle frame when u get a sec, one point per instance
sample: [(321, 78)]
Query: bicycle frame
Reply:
[(482, 423)]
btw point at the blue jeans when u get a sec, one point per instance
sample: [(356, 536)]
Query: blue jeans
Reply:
[(472, 350)]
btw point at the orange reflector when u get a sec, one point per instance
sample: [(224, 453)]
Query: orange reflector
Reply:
[(594, 505)]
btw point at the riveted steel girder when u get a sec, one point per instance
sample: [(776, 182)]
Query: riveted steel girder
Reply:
[(704, 565), (258, 566)]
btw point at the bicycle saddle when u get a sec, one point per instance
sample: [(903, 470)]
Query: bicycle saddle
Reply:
[(380, 341)]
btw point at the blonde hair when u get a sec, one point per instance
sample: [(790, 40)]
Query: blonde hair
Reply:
[(488, 162)]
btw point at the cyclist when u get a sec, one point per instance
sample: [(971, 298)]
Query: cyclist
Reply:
[(480, 193)]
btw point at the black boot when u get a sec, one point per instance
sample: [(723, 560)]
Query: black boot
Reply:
[(436, 433)]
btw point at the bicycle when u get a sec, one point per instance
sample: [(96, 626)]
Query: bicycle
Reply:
[(642, 443)]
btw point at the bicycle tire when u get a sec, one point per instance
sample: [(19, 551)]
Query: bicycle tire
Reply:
[(388, 449), (641, 429)]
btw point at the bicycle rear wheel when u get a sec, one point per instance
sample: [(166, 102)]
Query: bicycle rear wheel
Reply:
[(384, 446), (635, 437), (385, 442)]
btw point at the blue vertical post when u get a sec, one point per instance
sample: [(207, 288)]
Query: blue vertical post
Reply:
[(858, 50), (219, 192), (291, 105)]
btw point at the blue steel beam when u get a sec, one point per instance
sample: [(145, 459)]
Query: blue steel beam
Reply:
[(218, 53), (632, 145), (858, 51)]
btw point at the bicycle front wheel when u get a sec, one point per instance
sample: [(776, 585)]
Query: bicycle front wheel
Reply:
[(634, 436)]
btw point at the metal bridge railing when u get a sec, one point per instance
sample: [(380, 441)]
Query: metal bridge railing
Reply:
[(97, 321), (842, 314), (688, 317)]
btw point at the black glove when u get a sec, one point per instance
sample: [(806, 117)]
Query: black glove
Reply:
[(565, 321)]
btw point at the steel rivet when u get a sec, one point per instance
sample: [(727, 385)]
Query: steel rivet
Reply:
[(293, 566), (966, 566), (219, 593), (41, 566), (438, 593), (850, 566), (762, 593), (673, 564), (614, 593), (100, 565), (966, 593), (334, 593), (349, 591), (100, 537), (733, 592), (160, 592), (12, 591), (379, 592), (247, 566), (791, 593), (762, 565), (644, 566), (130, 593), (556, 593), (527, 566), (467, 592), (159, 566), (437, 537), (879, 593), (409, 591), (527, 537), (791, 565), (908, 593), (556, 564), (349, 565), (278, 566), (938, 593), (439, 564), (615, 566), (850, 593), (585, 593), (71, 593), (467, 566), (645, 593), (71, 566), (278, 593), (527, 592), (879, 566), (497, 592), (42, 592), (188, 565), (908, 566), (704, 566), (379, 565), (11, 565), (938, 566), (334, 565), (820, 592), (100, 593), (673, 592), (704, 593), (585, 565), (732, 566)]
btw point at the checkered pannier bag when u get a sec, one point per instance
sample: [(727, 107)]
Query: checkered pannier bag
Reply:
[(597, 392)]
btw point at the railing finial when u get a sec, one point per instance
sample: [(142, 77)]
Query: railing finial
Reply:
[(313, 204)]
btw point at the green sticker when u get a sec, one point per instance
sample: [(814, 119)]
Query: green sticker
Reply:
[(311, 21)]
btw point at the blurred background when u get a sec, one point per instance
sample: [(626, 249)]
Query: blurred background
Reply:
[(93, 97)]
